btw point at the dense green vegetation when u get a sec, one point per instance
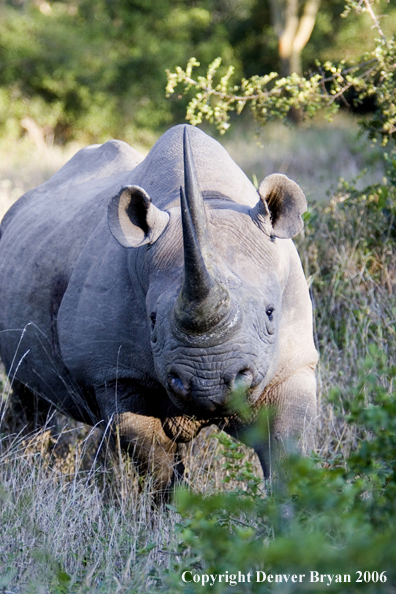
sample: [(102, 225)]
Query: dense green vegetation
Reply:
[(90, 70)]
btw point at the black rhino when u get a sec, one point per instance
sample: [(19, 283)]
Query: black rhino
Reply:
[(144, 292)]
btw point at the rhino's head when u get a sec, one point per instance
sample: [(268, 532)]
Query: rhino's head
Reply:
[(215, 277)]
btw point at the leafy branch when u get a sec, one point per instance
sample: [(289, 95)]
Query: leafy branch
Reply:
[(273, 97)]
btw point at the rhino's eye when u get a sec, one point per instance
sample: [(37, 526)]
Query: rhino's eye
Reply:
[(269, 312), (153, 318)]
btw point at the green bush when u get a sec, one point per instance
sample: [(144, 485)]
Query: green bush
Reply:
[(95, 70)]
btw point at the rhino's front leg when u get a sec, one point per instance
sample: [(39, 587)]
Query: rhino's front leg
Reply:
[(146, 441), (140, 432), (294, 402), (291, 422)]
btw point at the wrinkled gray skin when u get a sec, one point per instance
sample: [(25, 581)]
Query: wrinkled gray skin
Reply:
[(117, 307)]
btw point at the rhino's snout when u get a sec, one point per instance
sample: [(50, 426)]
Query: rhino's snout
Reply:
[(209, 394)]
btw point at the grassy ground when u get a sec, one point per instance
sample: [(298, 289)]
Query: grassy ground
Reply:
[(71, 520)]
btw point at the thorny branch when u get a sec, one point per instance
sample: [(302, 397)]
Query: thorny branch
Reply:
[(374, 19)]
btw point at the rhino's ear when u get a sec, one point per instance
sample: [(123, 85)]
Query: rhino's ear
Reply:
[(282, 202), (133, 219)]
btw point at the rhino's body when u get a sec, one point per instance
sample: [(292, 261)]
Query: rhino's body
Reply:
[(78, 309)]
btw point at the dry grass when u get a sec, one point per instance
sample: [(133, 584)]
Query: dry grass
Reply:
[(350, 259), (59, 523), (77, 517), (25, 166), (316, 157)]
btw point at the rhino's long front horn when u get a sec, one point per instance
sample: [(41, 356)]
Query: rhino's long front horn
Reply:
[(198, 283), (203, 303)]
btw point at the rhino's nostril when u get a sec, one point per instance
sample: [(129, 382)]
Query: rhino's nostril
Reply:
[(243, 379), (177, 386)]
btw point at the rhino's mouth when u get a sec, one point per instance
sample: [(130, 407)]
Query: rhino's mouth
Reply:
[(212, 396)]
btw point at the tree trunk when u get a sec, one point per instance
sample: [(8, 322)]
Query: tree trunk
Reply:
[(293, 21)]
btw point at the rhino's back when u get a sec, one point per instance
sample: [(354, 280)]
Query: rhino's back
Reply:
[(44, 232)]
